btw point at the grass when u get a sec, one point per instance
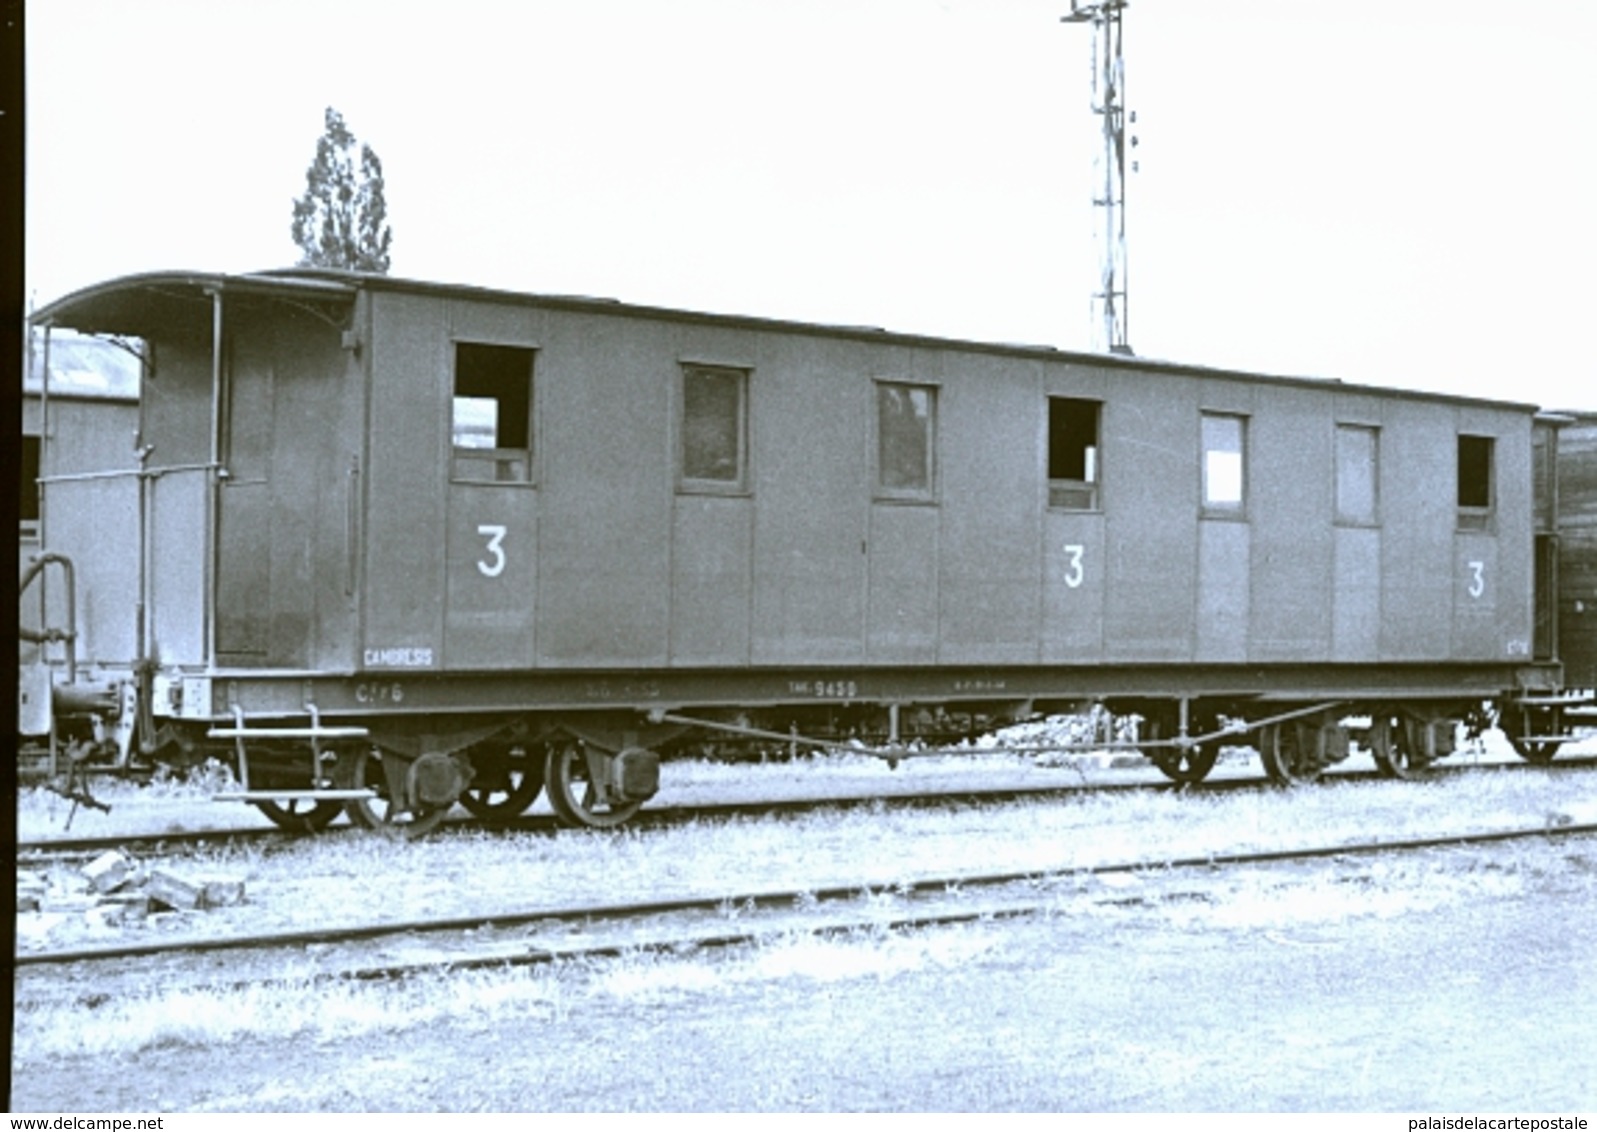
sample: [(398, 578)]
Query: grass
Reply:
[(297, 1008), (352, 876), (1292, 900)]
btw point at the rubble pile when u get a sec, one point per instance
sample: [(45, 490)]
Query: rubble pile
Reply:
[(116, 889)]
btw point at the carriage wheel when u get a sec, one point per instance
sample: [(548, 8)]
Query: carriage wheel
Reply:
[(1287, 753), (1538, 751), (301, 815), (1520, 731), (1190, 764), (505, 788), (573, 794), (1392, 749), (370, 769), (1179, 764)]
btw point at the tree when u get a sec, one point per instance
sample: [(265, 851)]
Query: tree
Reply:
[(342, 220)]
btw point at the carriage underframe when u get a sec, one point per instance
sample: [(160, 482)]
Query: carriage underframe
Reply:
[(399, 750)]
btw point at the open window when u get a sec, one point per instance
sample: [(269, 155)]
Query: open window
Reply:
[(492, 413), (1073, 468), (1224, 465), (906, 432), (1475, 476), (714, 429), (28, 481)]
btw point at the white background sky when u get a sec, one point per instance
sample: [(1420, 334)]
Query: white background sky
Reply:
[(1399, 192)]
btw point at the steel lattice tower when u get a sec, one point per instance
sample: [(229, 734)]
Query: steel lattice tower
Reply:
[(1109, 301)]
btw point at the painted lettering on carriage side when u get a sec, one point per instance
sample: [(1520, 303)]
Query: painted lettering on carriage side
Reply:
[(379, 693), (399, 657), (824, 689)]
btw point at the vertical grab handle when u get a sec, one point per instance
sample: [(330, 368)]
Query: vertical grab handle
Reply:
[(351, 525)]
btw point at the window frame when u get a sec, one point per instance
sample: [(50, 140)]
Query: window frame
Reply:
[(30, 508), (1477, 516), (1092, 459), (699, 485), (1345, 518), (462, 457), (1209, 508), (886, 493)]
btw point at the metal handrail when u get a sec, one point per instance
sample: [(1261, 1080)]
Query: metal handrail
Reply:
[(69, 635)]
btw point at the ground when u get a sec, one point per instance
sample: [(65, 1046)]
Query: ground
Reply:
[(1460, 982)]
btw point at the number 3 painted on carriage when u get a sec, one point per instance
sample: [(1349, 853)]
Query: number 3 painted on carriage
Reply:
[(1075, 574), (1477, 580), (495, 534)]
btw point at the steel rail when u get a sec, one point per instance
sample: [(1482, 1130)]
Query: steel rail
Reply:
[(57, 850), (782, 900)]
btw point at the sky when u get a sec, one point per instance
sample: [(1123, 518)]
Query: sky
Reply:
[(1396, 193)]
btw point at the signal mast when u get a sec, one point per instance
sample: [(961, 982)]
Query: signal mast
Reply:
[(1109, 302)]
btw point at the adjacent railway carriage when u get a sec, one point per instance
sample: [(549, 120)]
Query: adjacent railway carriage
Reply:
[(1569, 500), (80, 416), (398, 544), (80, 409)]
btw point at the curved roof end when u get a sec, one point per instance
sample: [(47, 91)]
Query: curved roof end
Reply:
[(144, 305)]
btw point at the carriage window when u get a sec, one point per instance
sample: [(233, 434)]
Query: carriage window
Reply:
[(1474, 482), (713, 428), (1356, 475), (1073, 453), (1224, 464), (28, 477), (906, 432), (492, 413)]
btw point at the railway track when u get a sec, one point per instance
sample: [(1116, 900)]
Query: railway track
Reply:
[(537, 936), (65, 849), (42, 852)]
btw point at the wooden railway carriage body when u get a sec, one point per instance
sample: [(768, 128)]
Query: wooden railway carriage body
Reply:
[(477, 530), (1571, 501), (79, 418)]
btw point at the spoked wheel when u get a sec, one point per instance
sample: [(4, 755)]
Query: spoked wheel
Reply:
[(382, 771), (1393, 749), (1521, 725), (1190, 764), (1179, 764), (1538, 751), (506, 786), (301, 815), (1288, 755), (573, 795)]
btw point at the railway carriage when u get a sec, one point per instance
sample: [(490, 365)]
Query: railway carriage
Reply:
[(1567, 522), (390, 544), (80, 408), (79, 418)]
